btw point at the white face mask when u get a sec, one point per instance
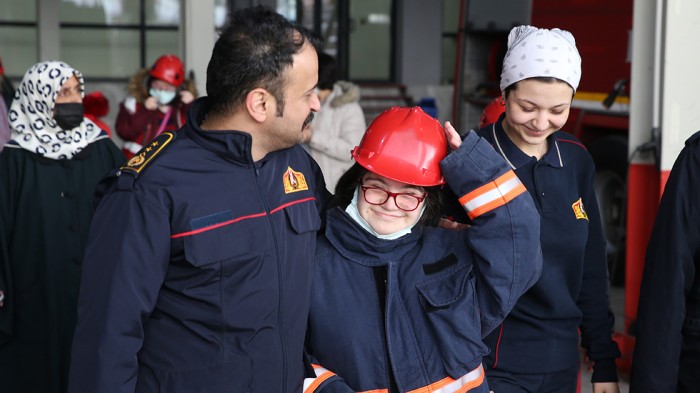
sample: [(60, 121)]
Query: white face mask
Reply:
[(164, 97)]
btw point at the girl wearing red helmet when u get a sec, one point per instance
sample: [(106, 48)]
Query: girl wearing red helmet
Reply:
[(398, 305), (159, 98)]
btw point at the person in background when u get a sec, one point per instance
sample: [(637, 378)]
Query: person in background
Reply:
[(339, 126), (158, 100), (97, 107), (399, 305), (667, 346), (5, 132), (48, 173), (7, 92), (536, 349), (197, 274)]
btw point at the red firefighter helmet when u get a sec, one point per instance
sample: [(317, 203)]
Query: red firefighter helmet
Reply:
[(169, 68), (492, 111), (406, 145)]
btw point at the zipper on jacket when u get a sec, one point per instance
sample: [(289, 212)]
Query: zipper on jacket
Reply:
[(381, 277), (280, 326)]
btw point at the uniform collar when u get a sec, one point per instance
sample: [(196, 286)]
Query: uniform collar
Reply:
[(515, 157), (356, 244), (232, 144)]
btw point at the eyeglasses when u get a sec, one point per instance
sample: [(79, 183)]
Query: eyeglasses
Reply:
[(403, 200)]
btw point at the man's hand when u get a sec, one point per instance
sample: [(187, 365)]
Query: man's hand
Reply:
[(454, 225)]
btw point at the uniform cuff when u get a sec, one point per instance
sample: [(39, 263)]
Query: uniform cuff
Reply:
[(604, 370)]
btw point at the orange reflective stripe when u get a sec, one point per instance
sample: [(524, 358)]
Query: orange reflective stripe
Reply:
[(492, 195), (465, 383), (311, 384)]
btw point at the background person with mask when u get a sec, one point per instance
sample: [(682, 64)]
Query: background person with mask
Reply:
[(158, 101), (48, 173)]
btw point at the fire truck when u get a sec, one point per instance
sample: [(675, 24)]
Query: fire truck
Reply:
[(634, 108)]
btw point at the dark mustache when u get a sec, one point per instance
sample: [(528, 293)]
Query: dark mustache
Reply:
[(308, 120)]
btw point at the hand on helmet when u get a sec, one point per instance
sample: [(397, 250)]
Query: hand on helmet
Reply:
[(453, 138)]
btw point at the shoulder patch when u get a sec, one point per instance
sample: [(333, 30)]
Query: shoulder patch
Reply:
[(146, 155)]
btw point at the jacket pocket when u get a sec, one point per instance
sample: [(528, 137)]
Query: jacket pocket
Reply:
[(231, 377), (222, 244), (303, 217), (450, 306)]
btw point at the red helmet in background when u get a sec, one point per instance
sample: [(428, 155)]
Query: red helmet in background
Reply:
[(169, 68), (96, 104), (492, 111), (406, 145)]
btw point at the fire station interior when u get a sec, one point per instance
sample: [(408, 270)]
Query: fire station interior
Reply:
[(444, 55)]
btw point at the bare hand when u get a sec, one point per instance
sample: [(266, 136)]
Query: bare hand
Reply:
[(606, 387), (453, 138), (186, 96), (454, 225), (151, 103)]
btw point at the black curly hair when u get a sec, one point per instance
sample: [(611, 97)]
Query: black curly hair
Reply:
[(254, 49)]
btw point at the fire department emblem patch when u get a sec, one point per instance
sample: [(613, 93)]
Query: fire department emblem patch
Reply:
[(138, 162), (579, 211), (294, 181)]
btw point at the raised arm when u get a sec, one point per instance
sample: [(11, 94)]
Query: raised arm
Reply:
[(505, 234)]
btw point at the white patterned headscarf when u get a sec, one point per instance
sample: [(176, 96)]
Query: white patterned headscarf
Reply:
[(534, 52), (31, 113)]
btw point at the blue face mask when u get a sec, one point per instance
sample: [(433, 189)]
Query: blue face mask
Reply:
[(164, 97)]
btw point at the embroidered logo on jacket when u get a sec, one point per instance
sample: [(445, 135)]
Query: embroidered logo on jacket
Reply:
[(294, 181), (579, 211), (138, 162)]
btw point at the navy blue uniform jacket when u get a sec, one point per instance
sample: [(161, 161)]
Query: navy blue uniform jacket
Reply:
[(541, 334), (198, 268), (667, 348), (421, 329)]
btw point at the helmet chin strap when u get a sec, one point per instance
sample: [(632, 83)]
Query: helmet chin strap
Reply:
[(354, 213)]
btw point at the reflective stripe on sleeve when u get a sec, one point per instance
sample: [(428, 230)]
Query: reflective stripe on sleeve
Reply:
[(462, 384), (322, 374), (492, 195)]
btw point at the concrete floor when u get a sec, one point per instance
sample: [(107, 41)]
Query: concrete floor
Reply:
[(617, 303)]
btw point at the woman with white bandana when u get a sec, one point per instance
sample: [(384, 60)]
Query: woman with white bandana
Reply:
[(536, 347), (400, 306), (48, 173)]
